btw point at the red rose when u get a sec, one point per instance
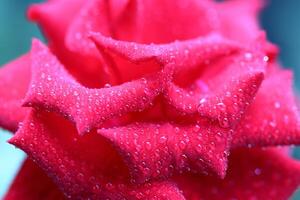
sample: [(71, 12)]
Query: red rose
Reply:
[(151, 99)]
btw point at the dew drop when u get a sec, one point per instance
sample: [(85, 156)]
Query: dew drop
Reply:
[(202, 101), (266, 58), (257, 171), (196, 128), (182, 144), (96, 188), (273, 124), (107, 85), (148, 145), (163, 139), (248, 56), (75, 93), (277, 104)]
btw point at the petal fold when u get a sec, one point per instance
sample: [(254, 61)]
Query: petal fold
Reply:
[(157, 151), (82, 167), (54, 89), (273, 117)]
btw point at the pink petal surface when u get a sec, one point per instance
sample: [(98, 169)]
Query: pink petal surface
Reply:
[(246, 26), (31, 183), (156, 151), (54, 89), (204, 57), (118, 69), (133, 60), (273, 118), (82, 167), (252, 174), (15, 78), (225, 95), (139, 21)]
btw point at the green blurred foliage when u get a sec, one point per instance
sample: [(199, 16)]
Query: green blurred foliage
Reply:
[(15, 30)]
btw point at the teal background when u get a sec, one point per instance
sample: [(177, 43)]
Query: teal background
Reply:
[(280, 19)]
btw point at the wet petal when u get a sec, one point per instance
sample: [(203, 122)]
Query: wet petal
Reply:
[(134, 60), (54, 89), (82, 167), (139, 21), (222, 93), (252, 174), (15, 77), (32, 183), (156, 151), (273, 118)]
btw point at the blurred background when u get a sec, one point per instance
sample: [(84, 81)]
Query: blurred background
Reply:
[(279, 18)]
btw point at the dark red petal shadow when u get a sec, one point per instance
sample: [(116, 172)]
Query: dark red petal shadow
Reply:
[(31, 183)]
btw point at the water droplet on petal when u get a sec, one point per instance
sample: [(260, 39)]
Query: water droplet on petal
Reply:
[(163, 139), (277, 104), (248, 56), (257, 171), (266, 58), (107, 85)]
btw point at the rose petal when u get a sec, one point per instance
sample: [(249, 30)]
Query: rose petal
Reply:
[(54, 89), (252, 174), (85, 167), (245, 27), (134, 60), (273, 118), (222, 93), (54, 19), (139, 21), (32, 183), (156, 151), (15, 78)]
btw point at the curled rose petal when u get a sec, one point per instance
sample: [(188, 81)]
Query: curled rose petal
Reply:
[(203, 57), (156, 151), (15, 78), (139, 21), (133, 60), (85, 167), (224, 96), (32, 183), (273, 117), (54, 89), (252, 174)]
